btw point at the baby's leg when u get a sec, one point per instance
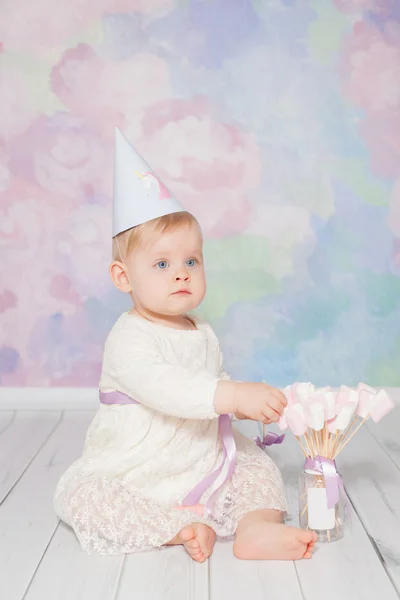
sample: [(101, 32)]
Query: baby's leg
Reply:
[(197, 539), (260, 535), (108, 517)]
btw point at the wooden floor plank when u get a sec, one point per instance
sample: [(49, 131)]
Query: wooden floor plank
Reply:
[(27, 519), (373, 484), (6, 418), (348, 569), (164, 574), (387, 434), (22, 434), (42, 559), (259, 580), (66, 572)]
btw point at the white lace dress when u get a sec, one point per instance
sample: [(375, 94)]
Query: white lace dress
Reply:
[(140, 461)]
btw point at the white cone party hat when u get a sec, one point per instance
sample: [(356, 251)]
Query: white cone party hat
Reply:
[(139, 194)]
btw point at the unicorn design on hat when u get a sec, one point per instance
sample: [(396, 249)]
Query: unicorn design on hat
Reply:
[(149, 179)]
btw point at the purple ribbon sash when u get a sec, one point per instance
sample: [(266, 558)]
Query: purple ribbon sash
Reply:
[(229, 454), (333, 481), (270, 439), (116, 398), (229, 448)]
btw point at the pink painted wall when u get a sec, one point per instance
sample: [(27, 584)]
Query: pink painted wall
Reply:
[(277, 124)]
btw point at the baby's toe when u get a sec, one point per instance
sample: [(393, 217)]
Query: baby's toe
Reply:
[(305, 537), (193, 545)]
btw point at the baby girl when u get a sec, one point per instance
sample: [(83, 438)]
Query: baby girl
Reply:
[(161, 464)]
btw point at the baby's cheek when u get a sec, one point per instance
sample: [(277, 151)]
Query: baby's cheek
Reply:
[(149, 290), (157, 286), (201, 281)]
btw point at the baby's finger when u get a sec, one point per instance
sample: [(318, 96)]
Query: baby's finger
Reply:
[(271, 414), (277, 393), (276, 404), (281, 396), (281, 406)]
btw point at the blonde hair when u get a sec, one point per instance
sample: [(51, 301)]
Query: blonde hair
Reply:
[(124, 243)]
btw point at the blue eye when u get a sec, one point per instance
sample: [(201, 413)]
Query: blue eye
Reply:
[(191, 262), (162, 264)]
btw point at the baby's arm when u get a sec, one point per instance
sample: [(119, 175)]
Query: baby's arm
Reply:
[(226, 377), (135, 365)]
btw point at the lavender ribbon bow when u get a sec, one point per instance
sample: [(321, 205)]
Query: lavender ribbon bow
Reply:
[(270, 439), (333, 481)]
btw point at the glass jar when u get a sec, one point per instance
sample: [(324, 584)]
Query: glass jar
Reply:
[(314, 514)]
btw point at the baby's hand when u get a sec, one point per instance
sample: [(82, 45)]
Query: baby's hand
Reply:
[(261, 402)]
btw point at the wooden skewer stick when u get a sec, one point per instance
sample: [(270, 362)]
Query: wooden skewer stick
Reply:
[(317, 442), (344, 444), (308, 438), (326, 439), (331, 443), (346, 432), (335, 442), (314, 484), (318, 438), (328, 443), (338, 440), (343, 436), (302, 447), (309, 445), (304, 510), (314, 442), (350, 426)]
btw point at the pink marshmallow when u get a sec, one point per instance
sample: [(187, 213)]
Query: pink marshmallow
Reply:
[(327, 399), (366, 395), (346, 396), (364, 387), (296, 420), (322, 390), (332, 426), (282, 423), (315, 416), (303, 392), (344, 417), (365, 403), (343, 394), (342, 420), (382, 405), (353, 398), (289, 395)]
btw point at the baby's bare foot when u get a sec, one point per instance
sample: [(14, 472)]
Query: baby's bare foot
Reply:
[(198, 540), (274, 541)]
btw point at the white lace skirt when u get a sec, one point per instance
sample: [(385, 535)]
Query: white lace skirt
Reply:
[(110, 516)]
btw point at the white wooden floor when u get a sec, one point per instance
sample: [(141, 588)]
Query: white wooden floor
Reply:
[(40, 558)]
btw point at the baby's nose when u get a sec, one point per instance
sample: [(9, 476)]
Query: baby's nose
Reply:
[(182, 276)]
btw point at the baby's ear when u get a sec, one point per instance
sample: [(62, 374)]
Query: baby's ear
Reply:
[(119, 276)]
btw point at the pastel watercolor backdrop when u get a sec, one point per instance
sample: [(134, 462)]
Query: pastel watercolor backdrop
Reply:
[(276, 122)]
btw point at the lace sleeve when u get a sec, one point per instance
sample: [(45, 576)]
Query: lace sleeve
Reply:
[(137, 367), (222, 374)]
